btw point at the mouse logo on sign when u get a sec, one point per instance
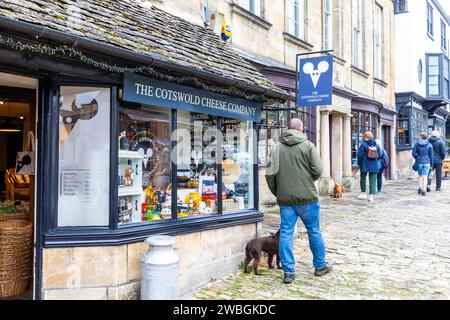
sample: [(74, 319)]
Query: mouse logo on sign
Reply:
[(315, 74)]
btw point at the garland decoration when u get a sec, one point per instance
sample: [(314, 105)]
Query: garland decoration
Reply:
[(44, 49)]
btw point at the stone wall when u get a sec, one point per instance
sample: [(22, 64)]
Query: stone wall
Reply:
[(114, 272), (405, 162)]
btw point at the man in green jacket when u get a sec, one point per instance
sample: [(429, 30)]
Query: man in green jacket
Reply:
[(295, 165)]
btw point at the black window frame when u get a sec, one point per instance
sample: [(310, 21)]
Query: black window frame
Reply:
[(356, 129), (54, 236), (306, 114)]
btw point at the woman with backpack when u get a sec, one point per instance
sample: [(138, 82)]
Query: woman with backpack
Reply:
[(383, 163), (368, 155), (424, 154)]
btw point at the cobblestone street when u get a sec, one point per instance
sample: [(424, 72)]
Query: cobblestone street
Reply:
[(396, 248)]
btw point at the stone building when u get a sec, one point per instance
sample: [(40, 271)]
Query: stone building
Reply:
[(422, 85), (271, 33)]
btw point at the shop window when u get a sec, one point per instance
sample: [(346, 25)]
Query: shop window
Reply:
[(361, 123), (274, 123), (403, 133), (84, 153), (237, 165), (419, 123), (144, 164), (197, 158)]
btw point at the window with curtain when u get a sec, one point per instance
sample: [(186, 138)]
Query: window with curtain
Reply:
[(378, 28), (254, 6), (443, 35), (296, 18), (357, 34), (327, 24), (429, 19)]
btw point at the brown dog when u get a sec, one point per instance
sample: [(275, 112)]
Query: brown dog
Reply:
[(338, 190), (255, 247)]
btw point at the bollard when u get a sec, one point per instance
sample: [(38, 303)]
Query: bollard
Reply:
[(160, 270)]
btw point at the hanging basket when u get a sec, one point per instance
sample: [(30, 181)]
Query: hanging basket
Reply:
[(12, 216)]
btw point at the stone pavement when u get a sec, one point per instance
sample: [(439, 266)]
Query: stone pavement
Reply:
[(396, 248)]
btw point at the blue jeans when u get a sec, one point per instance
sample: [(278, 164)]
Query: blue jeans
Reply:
[(380, 179), (424, 170), (310, 215)]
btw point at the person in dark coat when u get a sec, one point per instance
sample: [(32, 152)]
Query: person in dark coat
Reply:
[(383, 164), (424, 155), (439, 155), (368, 166)]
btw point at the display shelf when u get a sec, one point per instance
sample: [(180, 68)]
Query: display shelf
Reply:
[(130, 191), (129, 154)]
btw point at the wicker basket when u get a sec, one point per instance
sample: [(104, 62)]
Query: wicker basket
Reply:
[(16, 256), (13, 288), (12, 216)]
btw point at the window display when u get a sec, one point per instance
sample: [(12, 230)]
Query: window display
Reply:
[(84, 153), (196, 164), (144, 164), (237, 166)]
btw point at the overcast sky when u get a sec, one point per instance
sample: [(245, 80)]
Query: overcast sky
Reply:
[(446, 5)]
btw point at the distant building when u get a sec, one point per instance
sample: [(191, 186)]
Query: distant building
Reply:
[(423, 76), (361, 33)]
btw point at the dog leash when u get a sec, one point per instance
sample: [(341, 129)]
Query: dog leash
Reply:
[(351, 177)]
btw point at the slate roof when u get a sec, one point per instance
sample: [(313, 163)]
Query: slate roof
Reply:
[(148, 31)]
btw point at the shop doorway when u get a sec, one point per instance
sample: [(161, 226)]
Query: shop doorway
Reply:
[(18, 111), (386, 141)]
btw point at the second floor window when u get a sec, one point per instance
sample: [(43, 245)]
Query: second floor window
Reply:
[(254, 6), (378, 42), (433, 65), (400, 6), (296, 18), (443, 35), (430, 20), (327, 24), (357, 34)]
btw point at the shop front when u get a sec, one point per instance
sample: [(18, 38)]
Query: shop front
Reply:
[(380, 120), (129, 145)]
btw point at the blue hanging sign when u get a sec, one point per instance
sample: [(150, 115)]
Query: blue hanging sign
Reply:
[(315, 81), (146, 90)]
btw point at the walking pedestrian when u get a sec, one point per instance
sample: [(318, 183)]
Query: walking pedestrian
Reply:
[(439, 155), (383, 164), (295, 165), (424, 155), (368, 155)]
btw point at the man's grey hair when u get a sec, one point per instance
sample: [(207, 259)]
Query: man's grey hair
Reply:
[(436, 133), (296, 124)]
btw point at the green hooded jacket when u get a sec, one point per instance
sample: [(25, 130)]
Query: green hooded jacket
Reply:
[(294, 167)]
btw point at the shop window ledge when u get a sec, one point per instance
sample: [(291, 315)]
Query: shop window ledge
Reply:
[(82, 237)]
